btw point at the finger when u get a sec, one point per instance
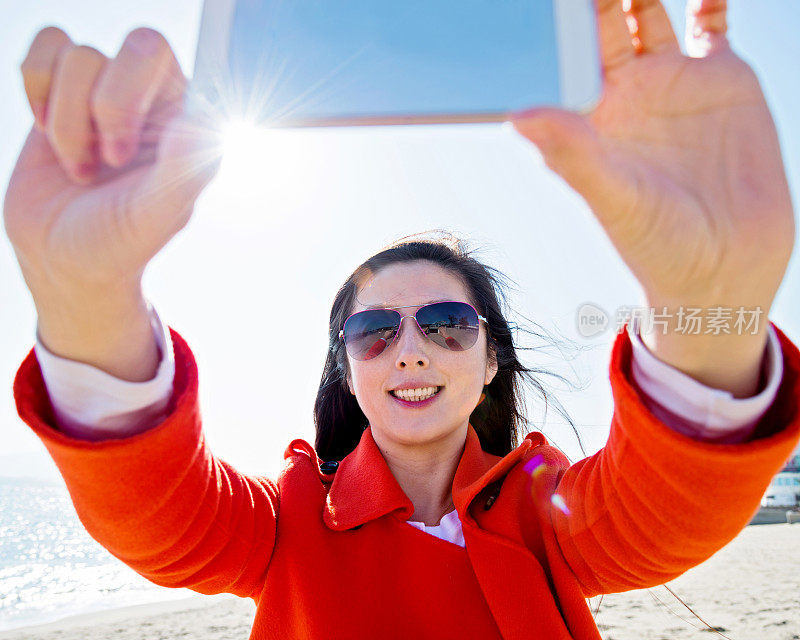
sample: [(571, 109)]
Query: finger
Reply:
[(144, 72), (571, 147), (189, 154), (70, 130), (654, 29), (706, 27), (616, 46), (566, 140), (38, 68)]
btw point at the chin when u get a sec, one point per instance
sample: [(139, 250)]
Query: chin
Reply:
[(418, 432)]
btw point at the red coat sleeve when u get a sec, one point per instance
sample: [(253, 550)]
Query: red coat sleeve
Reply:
[(159, 500), (653, 503)]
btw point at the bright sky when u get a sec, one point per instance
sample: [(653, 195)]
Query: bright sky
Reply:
[(490, 56), (292, 213)]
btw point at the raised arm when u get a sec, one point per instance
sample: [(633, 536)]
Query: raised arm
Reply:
[(655, 502), (108, 174), (681, 164)]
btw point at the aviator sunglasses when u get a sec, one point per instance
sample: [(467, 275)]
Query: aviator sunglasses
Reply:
[(452, 325)]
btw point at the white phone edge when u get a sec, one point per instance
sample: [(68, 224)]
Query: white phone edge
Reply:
[(211, 56), (581, 83)]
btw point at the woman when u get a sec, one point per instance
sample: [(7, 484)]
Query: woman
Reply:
[(681, 164)]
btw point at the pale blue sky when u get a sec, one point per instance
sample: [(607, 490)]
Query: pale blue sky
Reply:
[(489, 57), (281, 227)]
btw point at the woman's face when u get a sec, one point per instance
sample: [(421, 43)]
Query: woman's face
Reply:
[(414, 359)]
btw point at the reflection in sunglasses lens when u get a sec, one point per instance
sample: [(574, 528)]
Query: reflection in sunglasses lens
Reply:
[(452, 325), (367, 333)]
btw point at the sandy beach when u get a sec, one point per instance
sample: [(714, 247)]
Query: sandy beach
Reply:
[(222, 617), (750, 590)]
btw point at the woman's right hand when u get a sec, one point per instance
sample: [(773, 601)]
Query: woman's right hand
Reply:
[(111, 168)]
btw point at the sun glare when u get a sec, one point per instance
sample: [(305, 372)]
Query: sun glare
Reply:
[(242, 144), (256, 157), (273, 173)]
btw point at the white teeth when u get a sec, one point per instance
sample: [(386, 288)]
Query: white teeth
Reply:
[(415, 395)]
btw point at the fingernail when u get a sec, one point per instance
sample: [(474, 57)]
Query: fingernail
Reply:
[(145, 41)]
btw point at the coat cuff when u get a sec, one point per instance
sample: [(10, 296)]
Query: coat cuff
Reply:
[(697, 410), (91, 404)]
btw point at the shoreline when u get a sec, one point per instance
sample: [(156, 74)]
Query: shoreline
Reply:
[(129, 616), (747, 591)]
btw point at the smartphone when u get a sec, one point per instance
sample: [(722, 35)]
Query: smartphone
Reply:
[(296, 63)]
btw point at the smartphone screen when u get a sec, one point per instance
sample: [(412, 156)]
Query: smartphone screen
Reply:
[(323, 59)]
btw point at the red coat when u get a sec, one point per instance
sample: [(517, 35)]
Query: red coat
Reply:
[(330, 556)]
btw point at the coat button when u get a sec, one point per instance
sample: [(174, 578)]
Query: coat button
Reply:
[(329, 467), (495, 494)]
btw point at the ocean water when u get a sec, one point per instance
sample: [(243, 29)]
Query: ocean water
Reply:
[(51, 568)]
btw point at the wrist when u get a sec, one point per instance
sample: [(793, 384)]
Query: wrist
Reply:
[(110, 330), (721, 346)]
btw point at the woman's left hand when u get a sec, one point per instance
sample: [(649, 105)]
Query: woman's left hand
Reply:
[(680, 161)]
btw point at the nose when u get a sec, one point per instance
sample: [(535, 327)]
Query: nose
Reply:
[(412, 345)]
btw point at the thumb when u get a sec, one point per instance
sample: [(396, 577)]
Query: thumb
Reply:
[(188, 158), (572, 148), (567, 141)]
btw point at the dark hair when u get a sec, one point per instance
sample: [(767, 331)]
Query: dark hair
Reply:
[(499, 419)]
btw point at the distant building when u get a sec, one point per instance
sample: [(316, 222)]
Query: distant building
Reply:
[(784, 489)]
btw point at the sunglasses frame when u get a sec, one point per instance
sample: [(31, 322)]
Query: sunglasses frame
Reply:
[(413, 315)]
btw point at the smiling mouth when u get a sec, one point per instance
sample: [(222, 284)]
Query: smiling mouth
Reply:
[(416, 395)]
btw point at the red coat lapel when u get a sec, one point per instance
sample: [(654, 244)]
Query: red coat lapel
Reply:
[(364, 488)]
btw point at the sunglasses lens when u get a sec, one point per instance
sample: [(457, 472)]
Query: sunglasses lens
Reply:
[(367, 333), (452, 325)]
